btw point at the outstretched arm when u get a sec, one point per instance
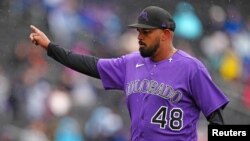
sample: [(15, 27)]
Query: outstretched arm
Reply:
[(85, 64)]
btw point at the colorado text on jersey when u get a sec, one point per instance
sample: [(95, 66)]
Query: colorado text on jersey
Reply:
[(153, 87)]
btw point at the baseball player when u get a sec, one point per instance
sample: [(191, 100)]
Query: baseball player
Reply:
[(166, 89)]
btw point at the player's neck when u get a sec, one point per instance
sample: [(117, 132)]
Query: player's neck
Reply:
[(163, 53)]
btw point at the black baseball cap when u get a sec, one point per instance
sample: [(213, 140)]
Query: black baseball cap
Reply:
[(154, 17)]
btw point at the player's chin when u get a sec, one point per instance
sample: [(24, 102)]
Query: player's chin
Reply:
[(143, 52), (141, 49)]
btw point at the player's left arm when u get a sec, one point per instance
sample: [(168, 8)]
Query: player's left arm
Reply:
[(213, 101), (216, 118)]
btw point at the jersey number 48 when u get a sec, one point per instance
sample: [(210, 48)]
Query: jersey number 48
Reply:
[(174, 121)]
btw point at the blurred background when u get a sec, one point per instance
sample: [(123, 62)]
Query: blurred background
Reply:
[(41, 100)]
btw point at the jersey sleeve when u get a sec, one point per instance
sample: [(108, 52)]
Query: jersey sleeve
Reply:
[(112, 72), (82, 63), (206, 93)]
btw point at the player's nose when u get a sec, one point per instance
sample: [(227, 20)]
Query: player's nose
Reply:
[(140, 36)]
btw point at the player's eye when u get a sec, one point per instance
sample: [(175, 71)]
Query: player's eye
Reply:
[(146, 31)]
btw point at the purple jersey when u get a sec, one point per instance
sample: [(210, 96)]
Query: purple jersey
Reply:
[(164, 98)]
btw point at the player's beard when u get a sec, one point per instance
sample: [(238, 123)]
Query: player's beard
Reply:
[(149, 51)]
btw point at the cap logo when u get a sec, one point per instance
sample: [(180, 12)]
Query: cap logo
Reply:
[(164, 25), (144, 15)]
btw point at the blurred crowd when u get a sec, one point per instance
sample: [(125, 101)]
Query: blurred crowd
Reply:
[(41, 100)]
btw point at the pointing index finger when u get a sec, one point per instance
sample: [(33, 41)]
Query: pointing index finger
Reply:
[(34, 29)]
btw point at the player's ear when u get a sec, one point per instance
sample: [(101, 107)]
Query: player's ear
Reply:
[(166, 34), (169, 34)]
